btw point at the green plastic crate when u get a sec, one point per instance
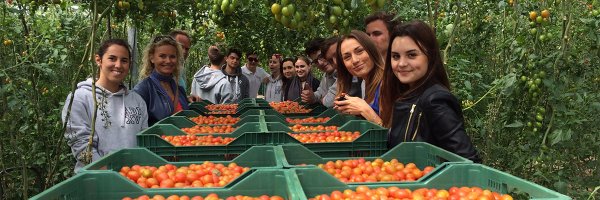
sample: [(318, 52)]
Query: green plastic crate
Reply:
[(315, 182), (268, 111), (420, 153), (372, 142), (111, 185), (246, 136), (255, 157)]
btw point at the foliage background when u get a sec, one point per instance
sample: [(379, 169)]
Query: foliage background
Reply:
[(544, 131)]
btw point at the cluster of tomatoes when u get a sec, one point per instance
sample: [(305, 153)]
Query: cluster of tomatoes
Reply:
[(361, 170), (307, 120), (193, 140), (214, 107), (287, 107), (211, 196), (302, 128), (537, 21), (215, 120), (364, 192), (207, 174), (321, 137), (208, 129)]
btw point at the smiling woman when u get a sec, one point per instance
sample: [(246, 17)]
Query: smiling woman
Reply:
[(304, 80), (357, 56), (158, 75), (121, 113), (420, 106)]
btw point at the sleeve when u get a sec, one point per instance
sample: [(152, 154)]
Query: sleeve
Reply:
[(193, 88), (142, 89), (144, 116), (330, 96), (245, 88), (321, 91), (78, 128), (446, 124)]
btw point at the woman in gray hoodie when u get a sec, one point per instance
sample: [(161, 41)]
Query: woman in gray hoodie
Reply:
[(120, 113)]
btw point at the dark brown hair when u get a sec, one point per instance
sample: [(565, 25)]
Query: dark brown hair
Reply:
[(394, 90), (375, 76), (387, 18)]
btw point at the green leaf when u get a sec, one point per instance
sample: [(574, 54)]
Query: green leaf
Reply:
[(515, 124), (595, 105), (468, 85), (559, 136)]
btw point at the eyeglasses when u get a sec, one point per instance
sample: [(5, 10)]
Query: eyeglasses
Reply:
[(162, 37), (251, 59)]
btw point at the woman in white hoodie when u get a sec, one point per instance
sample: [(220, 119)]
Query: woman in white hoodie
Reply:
[(120, 113)]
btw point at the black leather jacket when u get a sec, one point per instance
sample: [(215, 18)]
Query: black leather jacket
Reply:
[(434, 117)]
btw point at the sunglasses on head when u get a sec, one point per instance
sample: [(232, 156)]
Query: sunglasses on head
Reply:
[(253, 59), (162, 37)]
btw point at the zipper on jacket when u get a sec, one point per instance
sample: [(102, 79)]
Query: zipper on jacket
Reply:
[(412, 110), (417, 127)]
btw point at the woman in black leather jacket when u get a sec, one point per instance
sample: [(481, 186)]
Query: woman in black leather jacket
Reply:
[(416, 100)]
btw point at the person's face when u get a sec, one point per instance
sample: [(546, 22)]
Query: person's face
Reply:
[(274, 65), (356, 59), (330, 58), (185, 44), (252, 61), (288, 69), (409, 63), (302, 68), (380, 35), (233, 60), (114, 64), (165, 59)]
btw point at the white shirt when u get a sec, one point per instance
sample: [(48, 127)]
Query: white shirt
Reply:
[(254, 79)]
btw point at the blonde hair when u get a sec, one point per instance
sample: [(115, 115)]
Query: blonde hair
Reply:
[(148, 66)]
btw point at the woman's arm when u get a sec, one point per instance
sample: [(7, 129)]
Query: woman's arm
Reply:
[(446, 124)]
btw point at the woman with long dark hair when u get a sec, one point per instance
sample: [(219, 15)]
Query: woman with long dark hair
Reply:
[(417, 103)]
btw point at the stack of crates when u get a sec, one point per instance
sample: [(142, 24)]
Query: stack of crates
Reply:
[(277, 163)]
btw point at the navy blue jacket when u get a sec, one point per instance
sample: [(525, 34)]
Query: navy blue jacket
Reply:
[(157, 100)]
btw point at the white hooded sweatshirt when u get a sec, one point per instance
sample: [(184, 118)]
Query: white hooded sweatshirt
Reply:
[(120, 117)]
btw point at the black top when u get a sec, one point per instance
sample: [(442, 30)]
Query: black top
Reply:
[(436, 118)]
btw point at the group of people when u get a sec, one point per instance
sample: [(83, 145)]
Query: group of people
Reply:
[(392, 75)]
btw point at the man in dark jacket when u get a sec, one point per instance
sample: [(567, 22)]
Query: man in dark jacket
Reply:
[(238, 83)]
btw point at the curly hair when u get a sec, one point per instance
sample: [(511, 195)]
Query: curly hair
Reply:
[(148, 66)]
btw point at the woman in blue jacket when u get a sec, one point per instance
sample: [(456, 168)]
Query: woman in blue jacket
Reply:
[(416, 102), (160, 69)]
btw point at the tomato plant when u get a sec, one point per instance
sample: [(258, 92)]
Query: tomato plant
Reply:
[(525, 71)]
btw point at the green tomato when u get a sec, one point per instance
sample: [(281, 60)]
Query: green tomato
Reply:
[(332, 19), (538, 81), (529, 124), (539, 19), (523, 78), (538, 124), (336, 10), (539, 117), (533, 31)]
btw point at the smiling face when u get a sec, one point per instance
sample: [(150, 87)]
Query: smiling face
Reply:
[(409, 63), (165, 59), (302, 68), (288, 69), (330, 59), (114, 65), (356, 59)]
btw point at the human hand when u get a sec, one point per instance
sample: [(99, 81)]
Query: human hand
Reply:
[(194, 98), (308, 96), (350, 105)]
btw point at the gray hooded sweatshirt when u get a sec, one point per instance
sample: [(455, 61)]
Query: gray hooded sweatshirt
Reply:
[(120, 117), (218, 88)]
